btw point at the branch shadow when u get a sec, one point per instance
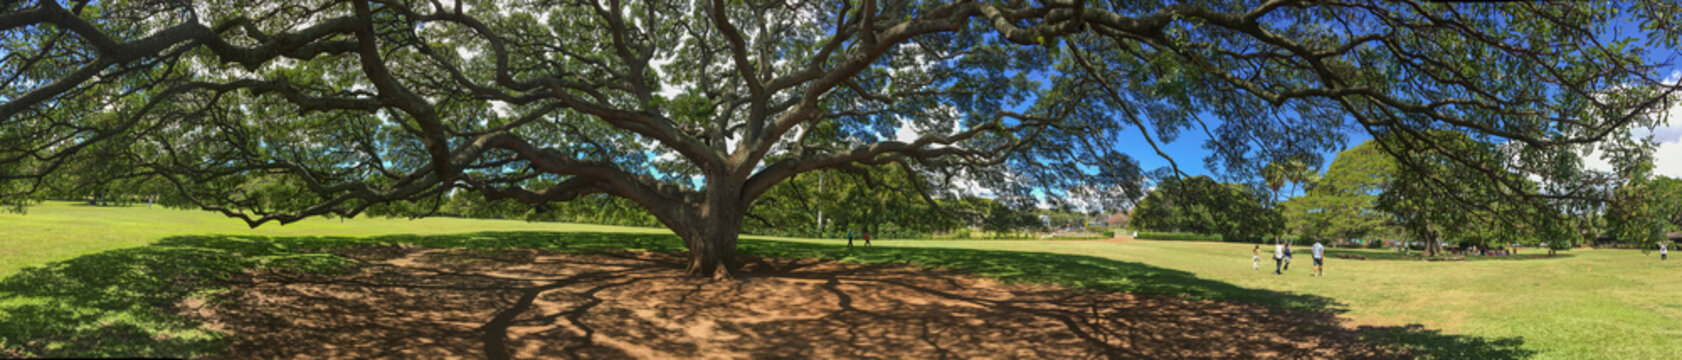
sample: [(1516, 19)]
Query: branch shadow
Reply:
[(583, 295)]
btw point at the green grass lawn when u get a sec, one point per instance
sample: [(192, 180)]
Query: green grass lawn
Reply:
[(56, 231), (80, 280)]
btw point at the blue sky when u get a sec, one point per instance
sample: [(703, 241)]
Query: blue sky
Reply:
[(1188, 150)]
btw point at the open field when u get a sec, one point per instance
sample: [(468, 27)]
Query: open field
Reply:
[(1586, 304), (56, 231), (107, 269)]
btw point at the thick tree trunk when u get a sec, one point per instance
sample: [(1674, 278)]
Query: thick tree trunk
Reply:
[(712, 248), (1433, 241), (711, 236)]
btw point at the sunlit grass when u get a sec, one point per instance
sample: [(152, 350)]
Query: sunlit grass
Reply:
[(1586, 303), (54, 231)]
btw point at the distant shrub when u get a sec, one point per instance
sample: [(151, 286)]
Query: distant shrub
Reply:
[(909, 235), (1077, 237), (962, 234), (1149, 235)]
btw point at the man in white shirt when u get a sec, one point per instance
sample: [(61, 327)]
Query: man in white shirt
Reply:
[(1319, 258), (1278, 256), (1663, 252)]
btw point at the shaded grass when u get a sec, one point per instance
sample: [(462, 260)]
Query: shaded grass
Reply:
[(126, 302), (1428, 343), (1084, 272)]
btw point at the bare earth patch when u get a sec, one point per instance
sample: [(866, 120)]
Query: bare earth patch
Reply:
[(411, 302)]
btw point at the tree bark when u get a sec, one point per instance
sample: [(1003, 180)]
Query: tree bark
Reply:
[(1433, 241), (712, 232), (712, 248)]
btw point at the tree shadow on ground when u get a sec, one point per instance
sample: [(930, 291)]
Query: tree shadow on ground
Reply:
[(520, 295)]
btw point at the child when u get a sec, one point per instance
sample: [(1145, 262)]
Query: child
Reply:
[(1255, 258)]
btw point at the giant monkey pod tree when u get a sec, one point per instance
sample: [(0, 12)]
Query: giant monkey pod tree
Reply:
[(276, 111)]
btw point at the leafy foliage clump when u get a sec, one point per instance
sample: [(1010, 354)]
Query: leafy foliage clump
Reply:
[(1201, 205)]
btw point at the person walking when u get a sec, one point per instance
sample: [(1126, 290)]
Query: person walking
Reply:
[(849, 238), (1663, 252), (1319, 259), (867, 238), (1287, 256), (1278, 256), (1255, 258)]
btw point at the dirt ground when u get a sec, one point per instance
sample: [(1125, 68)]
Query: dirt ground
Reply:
[(412, 302)]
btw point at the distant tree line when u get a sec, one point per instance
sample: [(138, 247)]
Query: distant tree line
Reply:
[(1367, 193)]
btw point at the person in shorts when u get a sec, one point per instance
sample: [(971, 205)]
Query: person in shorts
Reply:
[(1319, 259)]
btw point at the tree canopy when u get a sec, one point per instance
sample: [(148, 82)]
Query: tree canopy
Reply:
[(865, 201), (275, 111), (1202, 205), (1642, 211), (1367, 190), (1343, 203)]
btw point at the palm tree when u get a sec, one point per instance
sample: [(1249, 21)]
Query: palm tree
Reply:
[(1294, 172)]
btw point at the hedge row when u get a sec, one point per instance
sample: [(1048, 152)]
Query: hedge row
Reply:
[(1148, 235)]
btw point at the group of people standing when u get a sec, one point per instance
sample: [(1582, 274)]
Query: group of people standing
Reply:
[(1485, 251), (1282, 258)]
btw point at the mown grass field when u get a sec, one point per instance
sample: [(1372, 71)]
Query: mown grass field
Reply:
[(1613, 304), (56, 231), (79, 280)]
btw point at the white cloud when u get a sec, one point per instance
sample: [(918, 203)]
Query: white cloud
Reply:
[(1667, 159), (1668, 134), (668, 89), (966, 186), (905, 133), (1595, 160)]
